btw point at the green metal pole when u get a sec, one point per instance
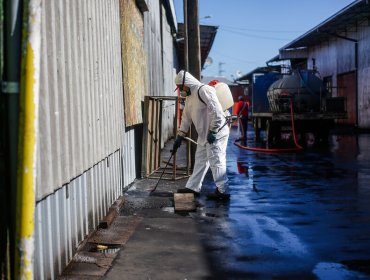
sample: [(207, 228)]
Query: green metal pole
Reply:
[(12, 33)]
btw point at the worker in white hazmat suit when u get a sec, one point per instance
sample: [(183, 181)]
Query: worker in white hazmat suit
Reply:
[(203, 108)]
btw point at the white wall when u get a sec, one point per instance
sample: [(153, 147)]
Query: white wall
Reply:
[(81, 104), (85, 157)]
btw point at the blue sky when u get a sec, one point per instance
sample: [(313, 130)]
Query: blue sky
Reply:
[(252, 31)]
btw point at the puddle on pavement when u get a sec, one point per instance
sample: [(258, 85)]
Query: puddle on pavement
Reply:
[(336, 271), (104, 249), (168, 209)]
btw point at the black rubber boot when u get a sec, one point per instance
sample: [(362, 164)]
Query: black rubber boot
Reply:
[(217, 195)]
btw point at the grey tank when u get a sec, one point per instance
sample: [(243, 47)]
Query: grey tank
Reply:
[(303, 86)]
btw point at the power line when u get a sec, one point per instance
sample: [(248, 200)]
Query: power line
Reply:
[(235, 58), (260, 30), (254, 36)]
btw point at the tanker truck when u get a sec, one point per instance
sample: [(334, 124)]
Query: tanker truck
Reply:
[(300, 96)]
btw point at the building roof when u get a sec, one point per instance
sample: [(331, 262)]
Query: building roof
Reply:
[(207, 36), (344, 20)]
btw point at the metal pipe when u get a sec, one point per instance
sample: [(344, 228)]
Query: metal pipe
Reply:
[(28, 129), (9, 99)]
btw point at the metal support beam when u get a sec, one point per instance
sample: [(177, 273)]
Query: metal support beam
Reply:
[(338, 36), (9, 115)]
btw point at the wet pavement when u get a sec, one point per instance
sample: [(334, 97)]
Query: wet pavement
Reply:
[(291, 216)]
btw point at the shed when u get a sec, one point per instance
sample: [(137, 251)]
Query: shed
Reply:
[(339, 49)]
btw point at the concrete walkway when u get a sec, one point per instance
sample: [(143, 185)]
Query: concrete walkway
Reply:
[(147, 240), (165, 244)]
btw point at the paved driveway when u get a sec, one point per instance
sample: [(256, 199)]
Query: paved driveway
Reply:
[(292, 216)]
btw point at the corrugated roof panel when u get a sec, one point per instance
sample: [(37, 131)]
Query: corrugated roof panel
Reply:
[(339, 22), (207, 36)]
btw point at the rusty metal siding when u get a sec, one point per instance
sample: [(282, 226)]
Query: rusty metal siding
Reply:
[(334, 58), (347, 88), (364, 76), (337, 57)]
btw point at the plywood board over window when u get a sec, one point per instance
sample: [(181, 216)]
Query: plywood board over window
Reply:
[(134, 61)]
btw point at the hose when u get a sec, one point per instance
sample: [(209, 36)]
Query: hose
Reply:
[(297, 147), (156, 185)]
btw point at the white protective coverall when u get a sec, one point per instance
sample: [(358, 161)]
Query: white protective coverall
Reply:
[(206, 117)]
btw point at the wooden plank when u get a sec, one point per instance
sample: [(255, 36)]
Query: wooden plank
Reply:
[(144, 157), (184, 202), (112, 213), (118, 234), (88, 265)]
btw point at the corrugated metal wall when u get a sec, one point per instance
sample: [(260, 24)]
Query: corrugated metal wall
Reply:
[(81, 105), (364, 76), (161, 62), (169, 74), (85, 156), (153, 45), (337, 57), (65, 218)]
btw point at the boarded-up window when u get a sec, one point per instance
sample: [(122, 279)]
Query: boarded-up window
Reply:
[(347, 88), (134, 61)]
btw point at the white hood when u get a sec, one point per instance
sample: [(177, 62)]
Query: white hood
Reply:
[(205, 116), (190, 81)]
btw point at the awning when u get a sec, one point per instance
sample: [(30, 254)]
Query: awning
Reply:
[(207, 36)]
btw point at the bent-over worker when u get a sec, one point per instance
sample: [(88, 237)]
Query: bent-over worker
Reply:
[(203, 108)]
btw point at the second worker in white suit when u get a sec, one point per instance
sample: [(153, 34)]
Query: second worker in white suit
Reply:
[(203, 108)]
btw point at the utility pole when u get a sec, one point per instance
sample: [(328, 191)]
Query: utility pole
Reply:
[(220, 70), (193, 45), (193, 38), (186, 57)]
